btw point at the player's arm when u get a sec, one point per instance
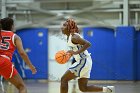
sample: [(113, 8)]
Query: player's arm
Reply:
[(19, 46), (76, 39)]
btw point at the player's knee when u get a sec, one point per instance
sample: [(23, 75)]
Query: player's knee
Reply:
[(21, 86), (63, 79), (82, 88), (64, 82)]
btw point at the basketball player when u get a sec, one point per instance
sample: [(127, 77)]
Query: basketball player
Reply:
[(10, 42), (82, 67)]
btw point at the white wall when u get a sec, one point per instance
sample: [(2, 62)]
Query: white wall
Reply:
[(56, 43)]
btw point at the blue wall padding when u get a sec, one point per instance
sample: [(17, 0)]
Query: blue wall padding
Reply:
[(103, 50), (138, 55), (115, 54), (36, 40), (125, 45)]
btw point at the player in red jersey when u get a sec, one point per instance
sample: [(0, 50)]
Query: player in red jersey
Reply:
[(10, 42)]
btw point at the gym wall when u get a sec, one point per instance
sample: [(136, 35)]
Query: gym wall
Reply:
[(35, 43), (115, 52)]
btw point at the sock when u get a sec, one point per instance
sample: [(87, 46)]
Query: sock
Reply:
[(104, 89)]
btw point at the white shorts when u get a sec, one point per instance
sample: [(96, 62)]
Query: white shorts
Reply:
[(82, 68)]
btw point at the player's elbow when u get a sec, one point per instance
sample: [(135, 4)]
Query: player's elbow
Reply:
[(22, 53), (89, 44)]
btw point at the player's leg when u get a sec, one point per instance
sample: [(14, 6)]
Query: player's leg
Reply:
[(84, 87), (18, 83), (84, 75), (64, 81), (8, 71)]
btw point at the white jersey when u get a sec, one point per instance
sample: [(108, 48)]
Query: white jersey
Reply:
[(76, 47)]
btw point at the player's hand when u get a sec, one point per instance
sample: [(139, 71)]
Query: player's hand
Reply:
[(33, 69), (69, 55), (71, 52)]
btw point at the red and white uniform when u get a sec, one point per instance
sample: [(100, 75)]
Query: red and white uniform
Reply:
[(7, 48)]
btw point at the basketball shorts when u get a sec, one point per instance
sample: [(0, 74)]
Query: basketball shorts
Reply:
[(7, 69), (82, 68)]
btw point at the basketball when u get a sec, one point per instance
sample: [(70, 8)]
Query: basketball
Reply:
[(62, 57)]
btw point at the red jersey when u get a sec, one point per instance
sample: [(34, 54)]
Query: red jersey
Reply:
[(7, 46)]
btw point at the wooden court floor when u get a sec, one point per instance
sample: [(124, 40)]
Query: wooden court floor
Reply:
[(53, 87)]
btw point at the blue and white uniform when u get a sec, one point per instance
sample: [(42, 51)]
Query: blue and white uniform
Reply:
[(82, 67)]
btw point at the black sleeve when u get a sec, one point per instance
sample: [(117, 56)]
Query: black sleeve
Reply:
[(73, 61)]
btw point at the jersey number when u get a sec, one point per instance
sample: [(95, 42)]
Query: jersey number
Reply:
[(4, 43)]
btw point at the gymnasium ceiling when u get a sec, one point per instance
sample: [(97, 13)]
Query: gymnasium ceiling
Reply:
[(51, 13)]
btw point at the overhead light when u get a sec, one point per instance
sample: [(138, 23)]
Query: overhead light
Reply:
[(19, 1), (67, 16), (60, 14)]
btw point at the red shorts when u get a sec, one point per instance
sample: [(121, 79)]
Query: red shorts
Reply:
[(6, 68)]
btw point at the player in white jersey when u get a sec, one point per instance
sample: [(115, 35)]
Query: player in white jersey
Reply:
[(82, 67)]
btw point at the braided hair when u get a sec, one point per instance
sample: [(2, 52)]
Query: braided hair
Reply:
[(71, 26)]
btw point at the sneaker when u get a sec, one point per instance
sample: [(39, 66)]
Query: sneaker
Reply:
[(110, 89)]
